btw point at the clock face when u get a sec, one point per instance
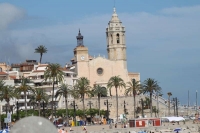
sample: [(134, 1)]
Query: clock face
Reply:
[(82, 57)]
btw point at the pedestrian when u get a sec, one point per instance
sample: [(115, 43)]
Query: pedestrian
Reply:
[(115, 125)]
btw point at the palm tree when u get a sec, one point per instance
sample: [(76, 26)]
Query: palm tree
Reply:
[(39, 96), (99, 91), (41, 49), (64, 91), (2, 84), (116, 82), (147, 102), (133, 87), (169, 94), (24, 87), (32, 101), (150, 86), (7, 93), (54, 74), (82, 88)]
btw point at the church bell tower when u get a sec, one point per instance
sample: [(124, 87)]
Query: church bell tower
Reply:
[(115, 34)]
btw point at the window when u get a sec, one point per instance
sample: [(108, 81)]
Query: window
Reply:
[(118, 38), (99, 71), (0, 69)]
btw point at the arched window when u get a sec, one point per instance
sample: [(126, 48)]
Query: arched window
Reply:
[(105, 90), (111, 39), (118, 38), (0, 69)]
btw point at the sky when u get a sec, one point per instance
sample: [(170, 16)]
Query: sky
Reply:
[(162, 37)]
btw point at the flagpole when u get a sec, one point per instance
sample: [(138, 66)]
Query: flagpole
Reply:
[(196, 101), (188, 103)]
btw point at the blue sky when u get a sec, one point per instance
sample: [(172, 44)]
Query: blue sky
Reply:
[(162, 36)]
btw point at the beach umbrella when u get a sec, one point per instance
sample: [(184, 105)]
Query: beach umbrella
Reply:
[(177, 129), (4, 131)]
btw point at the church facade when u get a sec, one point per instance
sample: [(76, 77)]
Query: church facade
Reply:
[(100, 69)]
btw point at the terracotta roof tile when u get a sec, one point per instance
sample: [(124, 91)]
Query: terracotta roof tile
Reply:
[(3, 73), (12, 77)]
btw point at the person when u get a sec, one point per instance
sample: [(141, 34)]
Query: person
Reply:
[(115, 125), (63, 130), (84, 127), (70, 129)]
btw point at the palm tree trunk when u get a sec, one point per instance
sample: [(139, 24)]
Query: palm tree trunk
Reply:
[(134, 104), (52, 101), (117, 103), (83, 102), (25, 104), (66, 106), (151, 103), (99, 105), (168, 105), (39, 107), (40, 57)]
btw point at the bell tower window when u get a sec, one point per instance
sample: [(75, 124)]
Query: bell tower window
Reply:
[(118, 41), (79, 39)]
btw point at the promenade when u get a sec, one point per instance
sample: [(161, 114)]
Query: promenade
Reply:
[(166, 127)]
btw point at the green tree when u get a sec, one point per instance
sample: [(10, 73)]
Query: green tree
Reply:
[(133, 88), (150, 86), (147, 103), (82, 88), (64, 90), (155, 111), (2, 84), (99, 91), (32, 101), (116, 82), (7, 93), (39, 95), (54, 74), (41, 49), (24, 87), (169, 95)]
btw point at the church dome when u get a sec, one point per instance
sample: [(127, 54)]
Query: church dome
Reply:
[(115, 16)]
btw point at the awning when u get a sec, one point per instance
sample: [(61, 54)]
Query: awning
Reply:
[(173, 118), (36, 74)]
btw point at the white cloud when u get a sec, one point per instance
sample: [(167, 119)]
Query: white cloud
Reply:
[(182, 10), (9, 14), (164, 45)]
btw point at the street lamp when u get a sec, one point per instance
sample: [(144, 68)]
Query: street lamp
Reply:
[(17, 104), (196, 102), (142, 106), (75, 107), (90, 104), (108, 104), (125, 109)]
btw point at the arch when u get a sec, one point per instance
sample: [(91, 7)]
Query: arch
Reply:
[(0, 69), (106, 91), (111, 38), (118, 40)]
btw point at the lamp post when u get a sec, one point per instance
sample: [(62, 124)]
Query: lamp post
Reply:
[(196, 102), (125, 109), (74, 106), (43, 109), (90, 104), (142, 104), (17, 110), (108, 104)]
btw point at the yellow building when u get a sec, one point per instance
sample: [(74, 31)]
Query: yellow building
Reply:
[(100, 69)]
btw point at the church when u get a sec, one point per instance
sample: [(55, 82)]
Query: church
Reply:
[(100, 69)]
